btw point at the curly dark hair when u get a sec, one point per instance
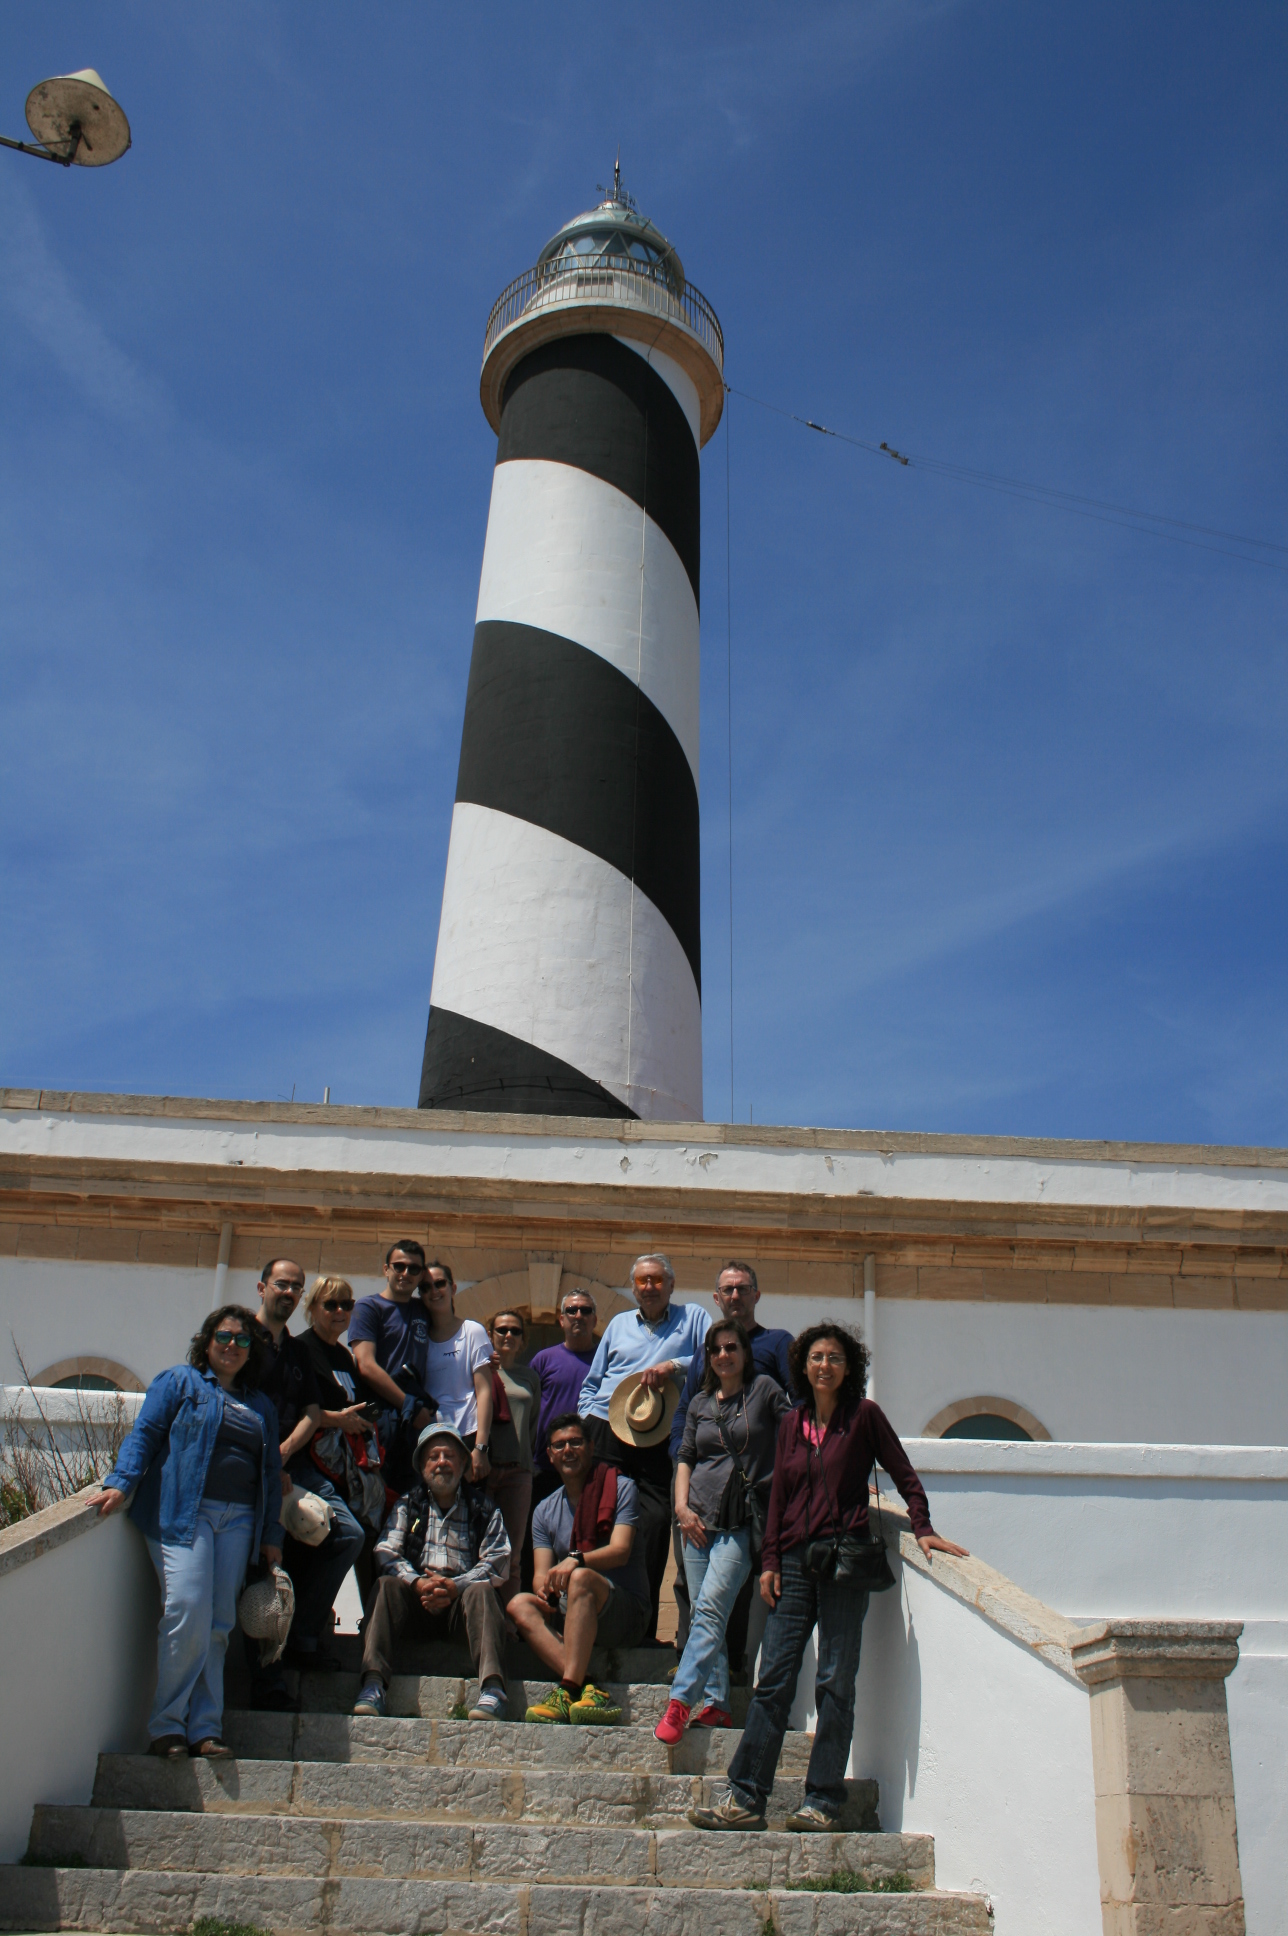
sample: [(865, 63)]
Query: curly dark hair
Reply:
[(261, 1343), (853, 1385), (710, 1377)]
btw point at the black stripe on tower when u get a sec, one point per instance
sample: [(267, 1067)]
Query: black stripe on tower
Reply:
[(590, 402), (557, 736), (470, 1065)]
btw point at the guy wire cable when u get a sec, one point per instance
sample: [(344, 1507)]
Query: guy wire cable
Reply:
[(729, 723), (1148, 523)]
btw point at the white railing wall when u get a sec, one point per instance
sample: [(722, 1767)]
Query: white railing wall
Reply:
[(78, 1611)]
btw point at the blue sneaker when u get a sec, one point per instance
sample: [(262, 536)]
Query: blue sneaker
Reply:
[(491, 1705), (372, 1698)]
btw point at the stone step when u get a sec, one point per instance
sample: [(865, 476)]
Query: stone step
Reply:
[(142, 1899), (432, 1657), (433, 1696), (489, 1744), (355, 1789), (115, 1838)]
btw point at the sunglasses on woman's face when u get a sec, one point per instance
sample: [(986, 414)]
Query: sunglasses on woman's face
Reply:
[(238, 1338), (337, 1304), (728, 1350), (507, 1331)]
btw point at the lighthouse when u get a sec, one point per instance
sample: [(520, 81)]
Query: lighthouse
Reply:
[(568, 974)]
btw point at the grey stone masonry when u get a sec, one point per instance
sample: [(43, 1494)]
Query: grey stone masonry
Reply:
[(419, 1824)]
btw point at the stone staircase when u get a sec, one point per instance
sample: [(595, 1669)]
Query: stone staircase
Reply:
[(424, 1823)]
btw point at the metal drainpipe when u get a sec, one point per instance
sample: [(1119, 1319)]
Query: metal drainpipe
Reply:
[(221, 1265), (870, 1319)]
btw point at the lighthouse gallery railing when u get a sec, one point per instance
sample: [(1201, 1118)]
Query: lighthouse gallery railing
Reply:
[(636, 285)]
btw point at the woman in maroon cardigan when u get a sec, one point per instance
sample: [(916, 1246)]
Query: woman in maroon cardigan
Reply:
[(826, 1450)]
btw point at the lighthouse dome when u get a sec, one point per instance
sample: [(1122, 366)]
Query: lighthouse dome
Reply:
[(614, 229)]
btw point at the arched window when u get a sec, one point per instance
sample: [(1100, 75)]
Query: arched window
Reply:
[(88, 1374), (984, 1418)]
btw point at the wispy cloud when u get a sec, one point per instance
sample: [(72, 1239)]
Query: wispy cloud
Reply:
[(40, 297)]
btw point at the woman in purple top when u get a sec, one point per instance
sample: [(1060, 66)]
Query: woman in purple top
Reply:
[(826, 1450)]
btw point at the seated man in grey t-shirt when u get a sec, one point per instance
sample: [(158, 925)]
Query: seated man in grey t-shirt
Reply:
[(582, 1595)]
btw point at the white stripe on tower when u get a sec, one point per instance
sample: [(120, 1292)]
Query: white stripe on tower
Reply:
[(563, 555), (518, 903), (568, 972)]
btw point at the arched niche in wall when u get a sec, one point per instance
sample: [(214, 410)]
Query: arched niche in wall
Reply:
[(535, 1293), (984, 1418), (89, 1374)]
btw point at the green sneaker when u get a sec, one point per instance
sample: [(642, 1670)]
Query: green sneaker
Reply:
[(554, 1708), (594, 1710)]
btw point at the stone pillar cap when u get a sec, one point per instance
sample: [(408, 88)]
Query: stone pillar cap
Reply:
[(1192, 1650)]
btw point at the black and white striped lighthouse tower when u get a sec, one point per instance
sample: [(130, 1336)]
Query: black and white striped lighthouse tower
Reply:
[(568, 973)]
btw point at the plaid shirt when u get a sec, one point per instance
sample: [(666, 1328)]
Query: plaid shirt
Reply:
[(447, 1546)]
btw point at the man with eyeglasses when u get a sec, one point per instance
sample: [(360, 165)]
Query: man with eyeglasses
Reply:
[(389, 1337), (291, 1384), (652, 1346)]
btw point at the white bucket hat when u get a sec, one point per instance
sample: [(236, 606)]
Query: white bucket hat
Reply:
[(307, 1517), (265, 1612)]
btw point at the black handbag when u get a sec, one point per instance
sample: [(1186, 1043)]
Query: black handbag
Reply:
[(847, 1559), (740, 1503)]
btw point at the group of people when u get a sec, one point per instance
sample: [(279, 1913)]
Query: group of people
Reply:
[(479, 1497)]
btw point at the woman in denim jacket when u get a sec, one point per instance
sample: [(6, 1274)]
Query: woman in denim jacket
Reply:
[(204, 1466)]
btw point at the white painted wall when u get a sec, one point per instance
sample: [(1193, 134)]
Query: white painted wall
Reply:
[(1257, 1697), (1088, 1373), (77, 1669), (1085, 1371), (980, 1744)]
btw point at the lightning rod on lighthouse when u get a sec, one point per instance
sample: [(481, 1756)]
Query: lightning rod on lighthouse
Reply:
[(567, 979)]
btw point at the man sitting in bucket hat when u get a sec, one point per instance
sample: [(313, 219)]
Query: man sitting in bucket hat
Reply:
[(630, 1395), (443, 1553), (589, 1586)]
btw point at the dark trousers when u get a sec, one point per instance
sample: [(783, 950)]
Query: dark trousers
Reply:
[(838, 1612), (650, 1467), (395, 1611)]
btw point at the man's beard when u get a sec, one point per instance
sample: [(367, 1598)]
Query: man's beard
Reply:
[(442, 1485)]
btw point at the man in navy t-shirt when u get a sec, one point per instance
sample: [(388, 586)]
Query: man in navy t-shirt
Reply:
[(389, 1336)]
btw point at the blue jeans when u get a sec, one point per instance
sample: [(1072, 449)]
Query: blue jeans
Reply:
[(318, 1572), (714, 1572), (199, 1588), (838, 1612)]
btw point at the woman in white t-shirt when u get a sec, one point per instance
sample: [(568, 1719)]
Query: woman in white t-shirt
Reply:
[(458, 1367)]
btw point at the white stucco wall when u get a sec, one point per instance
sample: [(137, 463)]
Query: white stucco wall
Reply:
[(980, 1744), (1087, 1372), (77, 1670)]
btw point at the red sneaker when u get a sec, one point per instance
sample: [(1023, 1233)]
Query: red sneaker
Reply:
[(711, 1717), (673, 1723)]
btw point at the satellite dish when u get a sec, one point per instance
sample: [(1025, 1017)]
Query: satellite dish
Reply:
[(76, 118)]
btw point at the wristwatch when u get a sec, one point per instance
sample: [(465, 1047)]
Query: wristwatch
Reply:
[(577, 1557), (484, 1448)]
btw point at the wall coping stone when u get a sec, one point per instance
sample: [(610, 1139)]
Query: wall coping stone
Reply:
[(1183, 1650), (32, 1538)]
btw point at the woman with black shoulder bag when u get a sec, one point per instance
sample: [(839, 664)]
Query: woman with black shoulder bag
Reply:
[(722, 1482), (819, 1563)]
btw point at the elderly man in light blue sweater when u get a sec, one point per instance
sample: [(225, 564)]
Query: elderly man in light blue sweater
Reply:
[(647, 1348)]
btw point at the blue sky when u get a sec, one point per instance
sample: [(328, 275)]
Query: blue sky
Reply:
[(1009, 785)]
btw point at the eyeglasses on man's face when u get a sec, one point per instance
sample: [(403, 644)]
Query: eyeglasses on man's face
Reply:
[(400, 1268), (579, 1310), (288, 1284), (337, 1304), (237, 1338), (567, 1445)]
